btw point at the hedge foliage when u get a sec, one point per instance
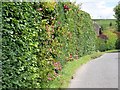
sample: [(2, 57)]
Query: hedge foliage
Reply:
[(37, 36), (117, 15)]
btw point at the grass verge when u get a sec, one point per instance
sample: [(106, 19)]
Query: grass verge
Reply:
[(62, 81), (115, 50)]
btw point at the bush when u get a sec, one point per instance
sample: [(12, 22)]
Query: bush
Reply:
[(36, 36), (109, 43), (118, 40), (101, 44)]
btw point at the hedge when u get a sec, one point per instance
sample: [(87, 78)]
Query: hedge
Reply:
[(39, 38), (117, 16)]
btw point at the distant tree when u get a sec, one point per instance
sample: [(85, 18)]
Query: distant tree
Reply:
[(110, 24), (100, 30)]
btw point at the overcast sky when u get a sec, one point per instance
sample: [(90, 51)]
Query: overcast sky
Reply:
[(98, 8)]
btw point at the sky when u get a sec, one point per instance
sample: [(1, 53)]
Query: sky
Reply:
[(98, 9)]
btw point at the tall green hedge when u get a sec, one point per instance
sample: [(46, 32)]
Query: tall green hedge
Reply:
[(36, 35), (117, 16)]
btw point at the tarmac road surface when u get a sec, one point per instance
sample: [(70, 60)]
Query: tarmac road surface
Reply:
[(101, 72)]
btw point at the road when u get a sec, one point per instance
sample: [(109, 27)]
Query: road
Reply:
[(101, 72)]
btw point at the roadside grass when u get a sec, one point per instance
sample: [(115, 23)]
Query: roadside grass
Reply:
[(115, 50), (63, 80)]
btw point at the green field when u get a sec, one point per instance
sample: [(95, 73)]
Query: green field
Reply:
[(105, 23)]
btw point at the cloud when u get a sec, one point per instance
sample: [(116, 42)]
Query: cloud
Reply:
[(99, 9), (81, 1)]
